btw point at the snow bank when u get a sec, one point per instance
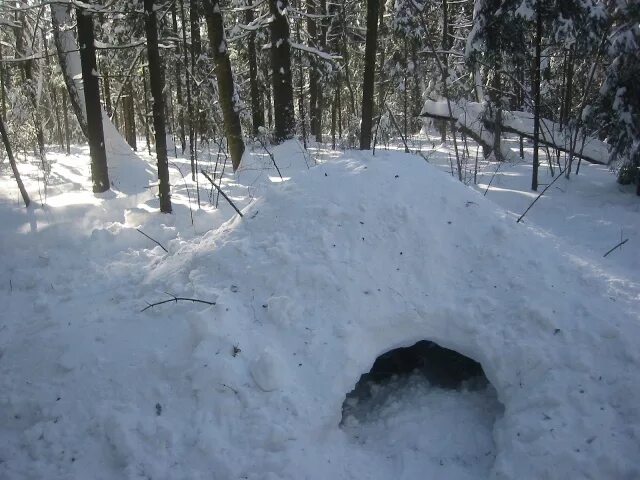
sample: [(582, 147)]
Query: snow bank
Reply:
[(325, 272)]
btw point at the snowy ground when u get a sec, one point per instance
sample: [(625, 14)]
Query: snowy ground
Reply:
[(328, 269)]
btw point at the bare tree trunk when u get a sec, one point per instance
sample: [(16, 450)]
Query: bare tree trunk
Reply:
[(2, 86), (226, 87), (99, 171), (322, 42), (301, 112), (144, 112), (445, 58), (188, 81), (30, 84), (257, 112), (69, 63), (14, 166), (128, 111), (369, 74), (178, 80), (281, 72), (67, 133), (536, 99), (313, 71), (156, 82), (52, 90)]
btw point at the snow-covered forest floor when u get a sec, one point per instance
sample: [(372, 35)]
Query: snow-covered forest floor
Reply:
[(345, 258)]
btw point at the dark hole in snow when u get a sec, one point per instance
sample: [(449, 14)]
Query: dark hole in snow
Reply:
[(439, 366), (428, 408)]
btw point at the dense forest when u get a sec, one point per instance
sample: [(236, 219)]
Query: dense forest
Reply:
[(345, 73)]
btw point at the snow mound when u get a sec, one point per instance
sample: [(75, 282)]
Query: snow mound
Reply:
[(326, 271), (378, 253)]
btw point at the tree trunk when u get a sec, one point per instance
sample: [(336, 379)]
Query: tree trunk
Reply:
[(14, 166), (313, 69), (52, 91), (67, 133), (156, 81), (369, 74), (2, 86), (99, 171), (536, 99), (301, 112), (22, 50), (129, 116), (69, 63), (188, 81), (226, 88), (178, 79), (446, 45), (257, 112), (281, 72), (322, 42)]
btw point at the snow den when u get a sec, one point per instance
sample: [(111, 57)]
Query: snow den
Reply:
[(427, 408)]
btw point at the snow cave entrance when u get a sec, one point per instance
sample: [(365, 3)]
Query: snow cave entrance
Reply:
[(424, 411)]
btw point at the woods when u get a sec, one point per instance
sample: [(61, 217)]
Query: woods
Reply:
[(227, 72)]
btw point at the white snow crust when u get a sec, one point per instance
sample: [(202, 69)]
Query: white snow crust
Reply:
[(326, 271)]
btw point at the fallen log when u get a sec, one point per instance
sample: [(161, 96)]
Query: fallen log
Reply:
[(468, 117)]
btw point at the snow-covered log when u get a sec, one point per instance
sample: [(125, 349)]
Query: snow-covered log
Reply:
[(468, 117)]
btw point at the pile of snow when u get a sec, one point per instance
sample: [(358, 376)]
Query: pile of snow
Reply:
[(326, 271)]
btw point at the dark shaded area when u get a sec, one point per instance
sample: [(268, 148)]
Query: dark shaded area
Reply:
[(440, 366)]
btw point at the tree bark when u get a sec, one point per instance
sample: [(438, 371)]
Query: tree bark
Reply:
[(226, 88), (99, 171), (2, 86), (281, 72), (313, 70), (536, 99), (369, 74), (257, 112), (129, 116), (69, 63), (178, 79), (156, 81), (14, 166)]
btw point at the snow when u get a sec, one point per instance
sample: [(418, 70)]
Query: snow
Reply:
[(470, 113), (326, 271), (425, 423)]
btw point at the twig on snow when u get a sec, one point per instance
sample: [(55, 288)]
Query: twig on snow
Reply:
[(617, 246), (221, 192), (540, 195), (153, 240), (176, 300)]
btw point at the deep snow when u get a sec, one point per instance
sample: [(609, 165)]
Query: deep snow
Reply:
[(327, 270)]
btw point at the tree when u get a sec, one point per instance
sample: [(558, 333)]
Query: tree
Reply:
[(536, 97), (369, 74), (95, 133), (226, 87), (156, 81), (257, 112), (281, 72), (12, 161)]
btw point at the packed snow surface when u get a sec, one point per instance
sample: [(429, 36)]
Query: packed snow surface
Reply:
[(327, 270)]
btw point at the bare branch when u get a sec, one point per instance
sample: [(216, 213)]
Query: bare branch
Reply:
[(153, 240)]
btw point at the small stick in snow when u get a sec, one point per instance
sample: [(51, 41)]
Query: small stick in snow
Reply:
[(541, 193), (221, 192), (176, 300), (492, 176), (153, 240), (617, 246)]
